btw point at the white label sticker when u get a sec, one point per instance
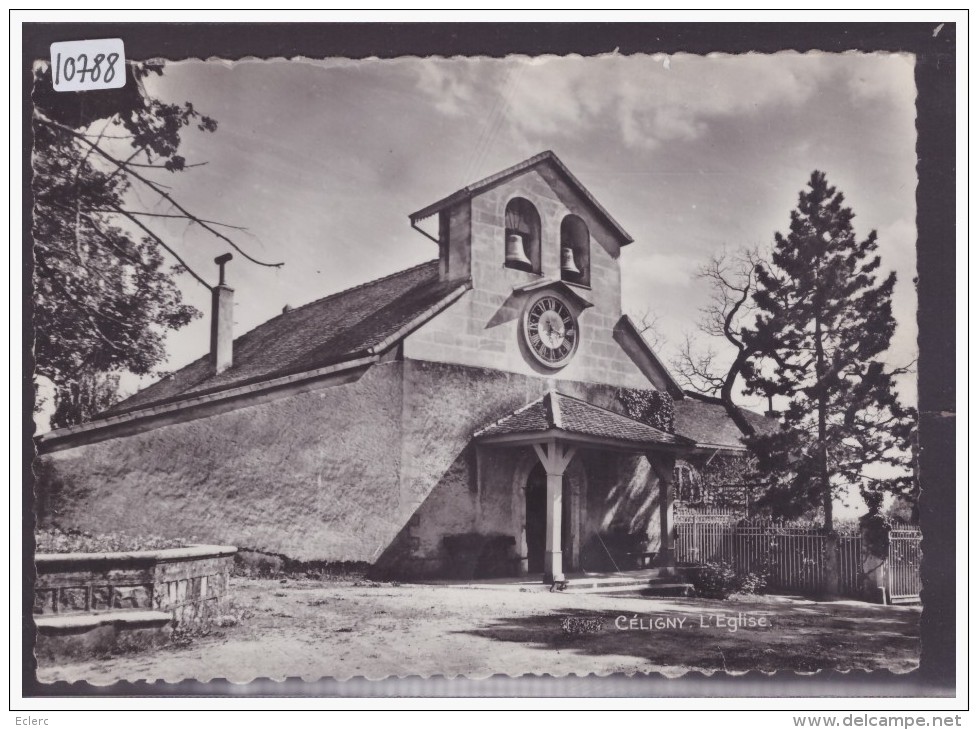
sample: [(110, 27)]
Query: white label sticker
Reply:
[(88, 65)]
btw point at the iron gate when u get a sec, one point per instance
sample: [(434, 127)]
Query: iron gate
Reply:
[(903, 566)]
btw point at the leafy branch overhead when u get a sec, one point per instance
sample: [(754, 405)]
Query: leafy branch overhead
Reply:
[(104, 272)]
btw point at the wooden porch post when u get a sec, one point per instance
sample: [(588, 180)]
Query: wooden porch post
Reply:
[(555, 457), (553, 558)]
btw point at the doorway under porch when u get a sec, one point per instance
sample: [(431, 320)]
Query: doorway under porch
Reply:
[(531, 520), (553, 503)]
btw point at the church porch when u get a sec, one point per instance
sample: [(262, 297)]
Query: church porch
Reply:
[(557, 513)]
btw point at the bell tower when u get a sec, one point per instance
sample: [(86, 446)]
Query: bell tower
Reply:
[(541, 257), (534, 218)]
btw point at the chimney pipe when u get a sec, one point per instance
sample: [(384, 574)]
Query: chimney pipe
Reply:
[(222, 321)]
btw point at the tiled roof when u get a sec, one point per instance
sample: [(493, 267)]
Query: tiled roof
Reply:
[(336, 328), (558, 411), (705, 420)]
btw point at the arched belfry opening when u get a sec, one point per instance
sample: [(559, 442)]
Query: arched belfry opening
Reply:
[(575, 251), (522, 236)]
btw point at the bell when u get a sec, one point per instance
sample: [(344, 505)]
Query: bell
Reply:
[(514, 250), (567, 264)]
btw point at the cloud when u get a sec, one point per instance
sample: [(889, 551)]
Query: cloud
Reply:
[(644, 100), (450, 85), (658, 105), (635, 96), (670, 269), (897, 248), (886, 77)]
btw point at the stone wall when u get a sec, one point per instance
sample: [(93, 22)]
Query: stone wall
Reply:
[(190, 583), (482, 328), (379, 470), (313, 475), (622, 510)]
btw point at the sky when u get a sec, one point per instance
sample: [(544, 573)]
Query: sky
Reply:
[(323, 161)]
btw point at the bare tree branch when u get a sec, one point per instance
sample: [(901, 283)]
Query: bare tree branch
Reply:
[(153, 186), (93, 222), (164, 167), (163, 244), (696, 368), (647, 324), (733, 280), (165, 215)]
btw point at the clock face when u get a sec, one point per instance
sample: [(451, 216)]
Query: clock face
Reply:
[(550, 330)]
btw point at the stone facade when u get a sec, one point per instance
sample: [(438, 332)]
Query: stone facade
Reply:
[(325, 482), (380, 465), (452, 487), (310, 475), (482, 329)]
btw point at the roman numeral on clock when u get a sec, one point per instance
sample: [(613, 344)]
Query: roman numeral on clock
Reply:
[(550, 330)]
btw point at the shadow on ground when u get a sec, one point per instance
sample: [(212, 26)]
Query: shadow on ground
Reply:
[(800, 636)]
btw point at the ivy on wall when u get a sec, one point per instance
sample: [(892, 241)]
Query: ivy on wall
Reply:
[(719, 480), (726, 480), (725, 470), (649, 406)]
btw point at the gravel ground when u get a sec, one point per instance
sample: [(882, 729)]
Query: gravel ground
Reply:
[(317, 629)]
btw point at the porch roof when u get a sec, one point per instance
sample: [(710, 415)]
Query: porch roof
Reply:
[(556, 415)]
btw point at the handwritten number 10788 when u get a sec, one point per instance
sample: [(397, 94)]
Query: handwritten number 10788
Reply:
[(102, 68)]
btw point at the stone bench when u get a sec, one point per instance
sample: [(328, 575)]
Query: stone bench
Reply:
[(643, 559), (76, 635), (86, 602), (190, 582)]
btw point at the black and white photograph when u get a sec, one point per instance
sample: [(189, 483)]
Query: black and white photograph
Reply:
[(484, 364)]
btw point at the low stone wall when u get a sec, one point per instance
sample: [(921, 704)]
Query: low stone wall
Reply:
[(189, 583)]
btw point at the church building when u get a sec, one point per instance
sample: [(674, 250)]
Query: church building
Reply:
[(491, 412)]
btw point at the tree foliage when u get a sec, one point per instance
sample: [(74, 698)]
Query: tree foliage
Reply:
[(824, 322), (104, 289)]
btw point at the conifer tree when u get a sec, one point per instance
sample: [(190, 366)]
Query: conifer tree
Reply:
[(824, 322)]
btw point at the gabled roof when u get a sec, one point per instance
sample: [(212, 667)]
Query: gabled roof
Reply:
[(556, 413), (543, 158), (364, 320), (705, 420)]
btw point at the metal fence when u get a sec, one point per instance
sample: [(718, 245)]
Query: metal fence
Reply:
[(852, 560), (794, 556), (731, 513), (903, 565)]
